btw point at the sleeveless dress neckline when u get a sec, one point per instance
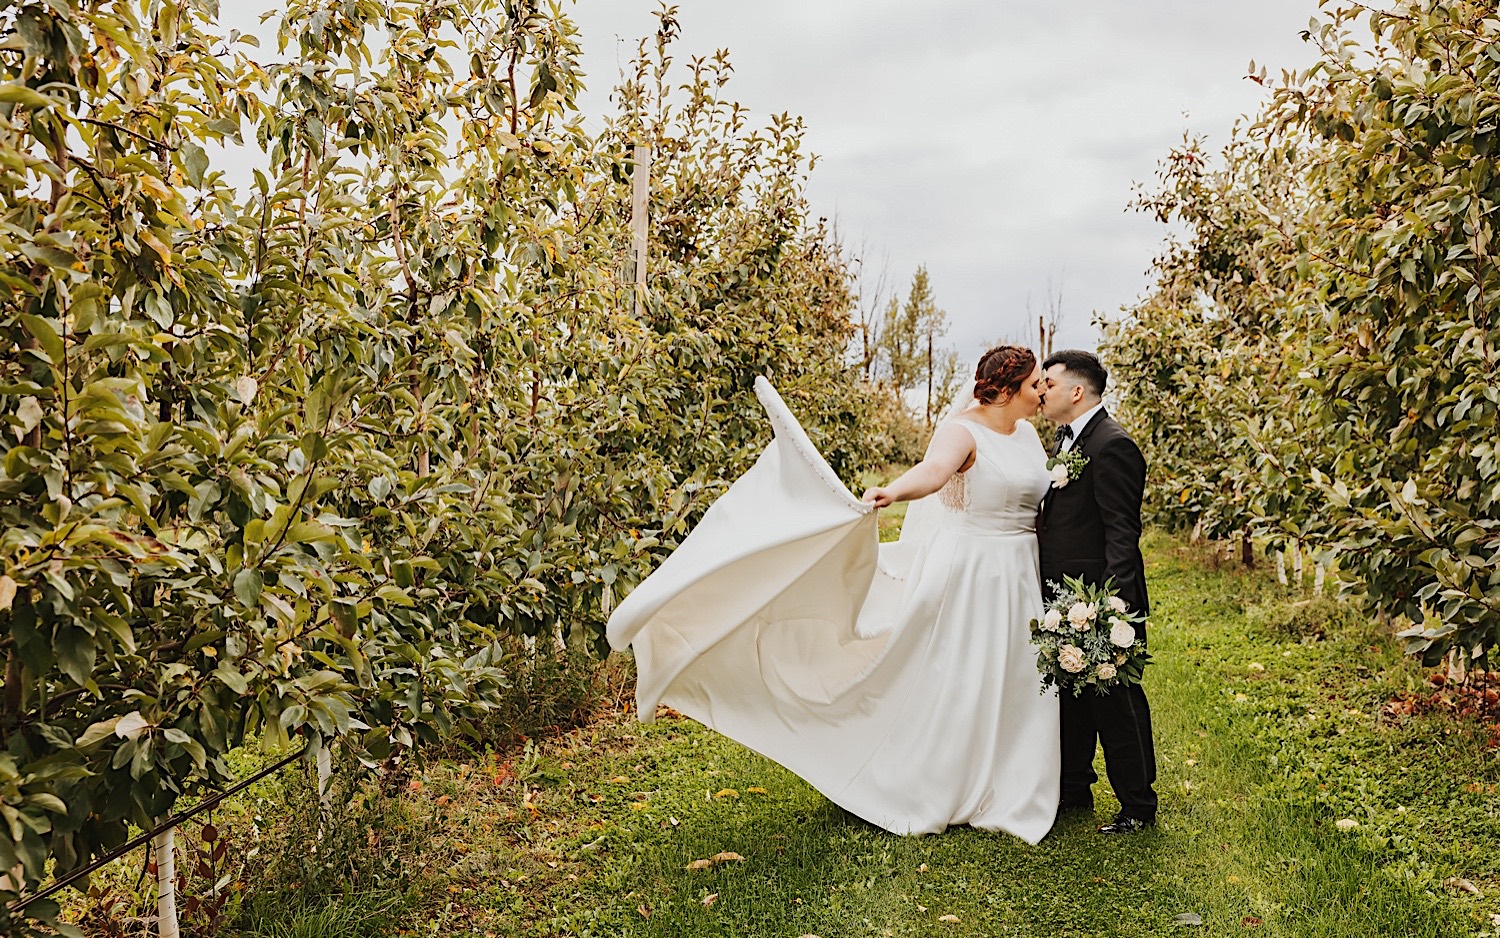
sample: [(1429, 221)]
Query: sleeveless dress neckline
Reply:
[(1006, 436)]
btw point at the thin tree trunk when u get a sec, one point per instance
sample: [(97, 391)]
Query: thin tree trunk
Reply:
[(325, 775), (1247, 551), (166, 885)]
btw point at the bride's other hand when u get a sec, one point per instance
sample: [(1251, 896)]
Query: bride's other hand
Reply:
[(878, 497)]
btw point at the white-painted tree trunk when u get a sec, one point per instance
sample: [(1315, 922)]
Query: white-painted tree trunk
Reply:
[(1320, 575), (1458, 670), (1297, 564), (1281, 567), (166, 884), (325, 774)]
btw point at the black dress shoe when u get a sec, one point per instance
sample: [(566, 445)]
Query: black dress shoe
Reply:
[(1125, 824)]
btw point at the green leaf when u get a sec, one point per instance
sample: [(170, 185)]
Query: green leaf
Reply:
[(194, 162), (12, 92), (47, 802), (46, 337), (247, 587), (97, 733), (231, 678)]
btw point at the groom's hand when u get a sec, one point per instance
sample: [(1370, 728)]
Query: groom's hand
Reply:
[(878, 497)]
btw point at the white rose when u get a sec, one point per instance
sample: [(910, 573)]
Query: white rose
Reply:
[(1106, 671), (1059, 474), (1081, 614), (1121, 635), (1051, 620), (1070, 658), (1118, 604)]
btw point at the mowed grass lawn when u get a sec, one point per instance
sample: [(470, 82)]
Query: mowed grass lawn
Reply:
[(1267, 738)]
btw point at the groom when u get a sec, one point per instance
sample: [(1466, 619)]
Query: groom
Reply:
[(1090, 529)]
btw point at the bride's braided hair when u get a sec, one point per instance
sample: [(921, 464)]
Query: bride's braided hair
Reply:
[(1001, 372)]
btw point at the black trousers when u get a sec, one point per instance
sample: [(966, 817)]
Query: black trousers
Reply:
[(1120, 721)]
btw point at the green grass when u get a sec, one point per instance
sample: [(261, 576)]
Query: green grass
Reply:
[(1270, 729), (1247, 839)]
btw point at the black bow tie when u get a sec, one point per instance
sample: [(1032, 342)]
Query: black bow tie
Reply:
[(1064, 433)]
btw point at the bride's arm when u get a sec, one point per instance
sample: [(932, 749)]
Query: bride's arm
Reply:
[(952, 449)]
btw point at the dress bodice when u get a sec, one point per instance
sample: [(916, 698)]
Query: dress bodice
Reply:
[(1004, 487)]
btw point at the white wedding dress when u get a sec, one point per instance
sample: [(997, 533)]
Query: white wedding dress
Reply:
[(897, 679)]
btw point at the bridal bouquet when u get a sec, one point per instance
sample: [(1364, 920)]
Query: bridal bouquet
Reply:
[(1086, 638)]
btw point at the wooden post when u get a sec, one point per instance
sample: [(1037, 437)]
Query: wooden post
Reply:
[(929, 377), (640, 192), (166, 885), (1247, 551)]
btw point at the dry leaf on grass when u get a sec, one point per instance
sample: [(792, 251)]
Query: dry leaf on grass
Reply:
[(726, 793), (950, 919), (710, 899), (1458, 882), (756, 790), (644, 909), (715, 860), (1251, 921)]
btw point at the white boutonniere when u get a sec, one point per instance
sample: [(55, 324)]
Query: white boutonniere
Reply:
[(1066, 467)]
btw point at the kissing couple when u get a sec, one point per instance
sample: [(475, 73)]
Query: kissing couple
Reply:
[(899, 679)]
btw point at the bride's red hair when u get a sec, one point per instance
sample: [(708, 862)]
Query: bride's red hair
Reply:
[(1001, 372)]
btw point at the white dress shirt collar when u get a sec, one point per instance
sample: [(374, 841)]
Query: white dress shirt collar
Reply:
[(1080, 423)]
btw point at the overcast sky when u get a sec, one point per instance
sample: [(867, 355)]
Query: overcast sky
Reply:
[(997, 143)]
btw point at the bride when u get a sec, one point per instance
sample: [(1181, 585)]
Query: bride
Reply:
[(897, 679)]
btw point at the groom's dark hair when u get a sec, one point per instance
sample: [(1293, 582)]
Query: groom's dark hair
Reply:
[(1085, 366)]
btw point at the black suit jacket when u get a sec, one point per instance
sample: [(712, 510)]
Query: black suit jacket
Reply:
[(1091, 528)]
